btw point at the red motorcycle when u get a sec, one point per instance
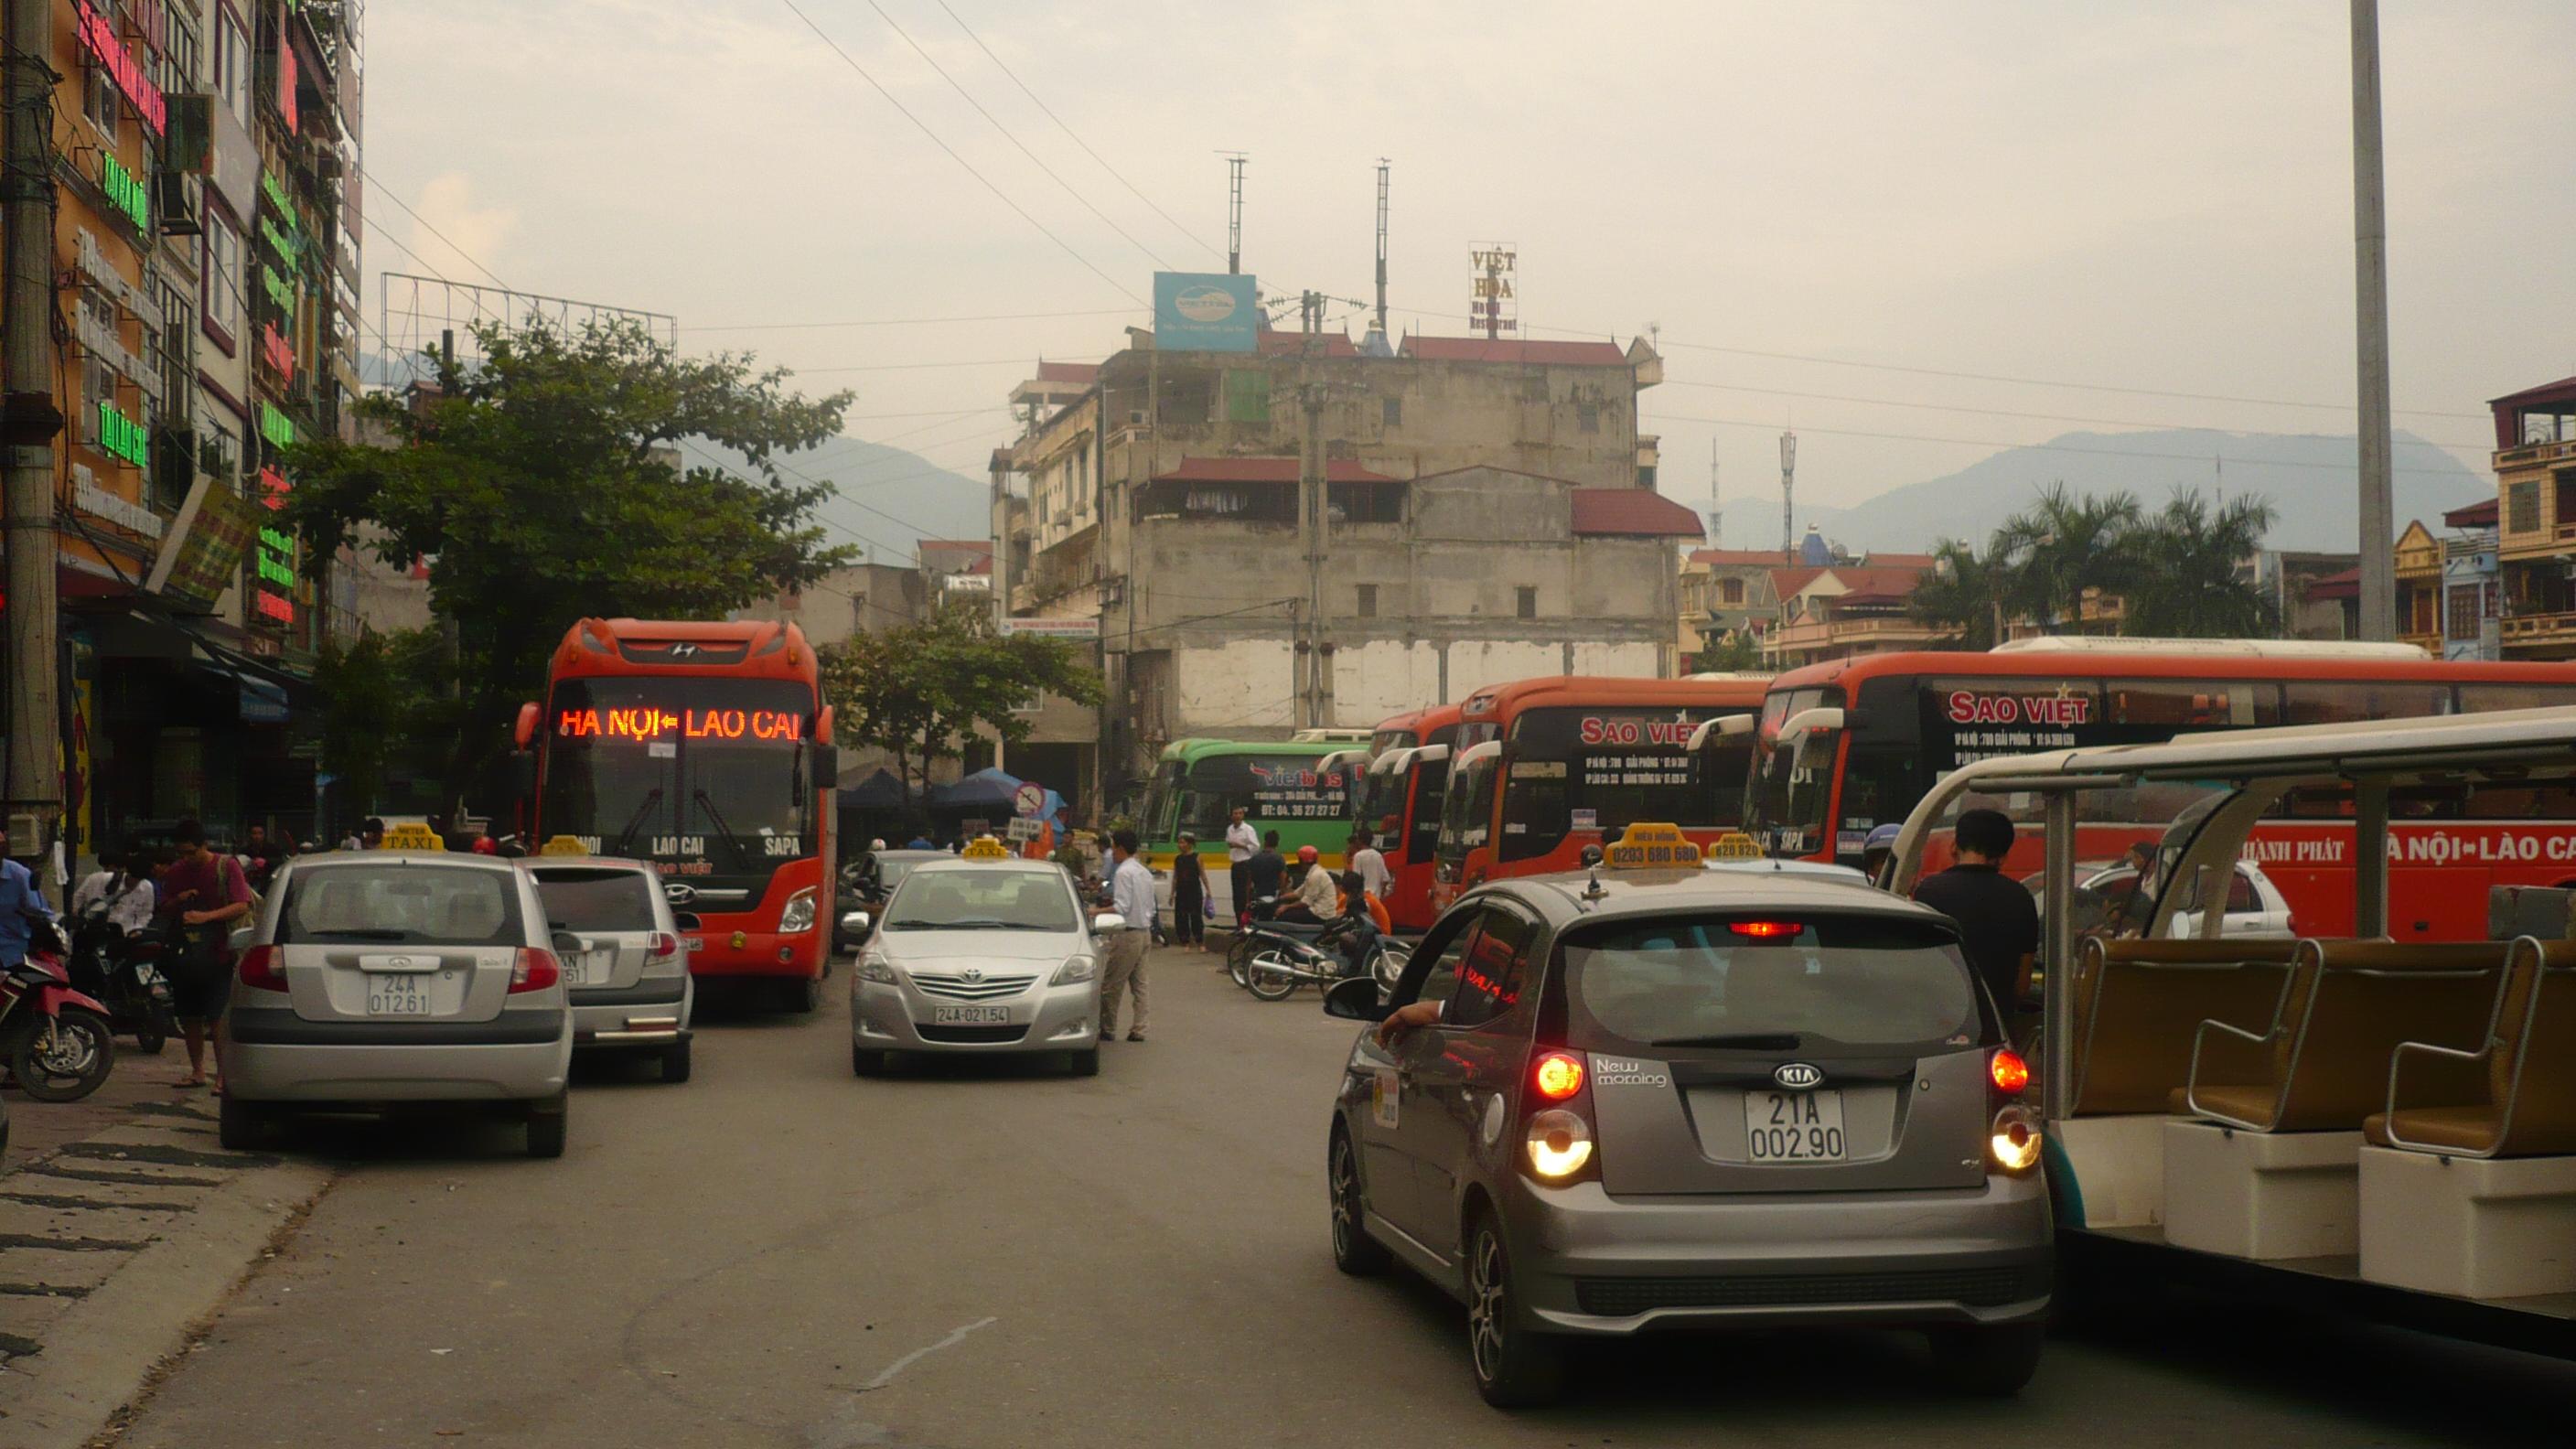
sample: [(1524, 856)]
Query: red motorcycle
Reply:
[(55, 1040)]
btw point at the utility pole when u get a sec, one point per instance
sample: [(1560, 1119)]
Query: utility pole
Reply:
[(1234, 211), (1314, 707), (33, 418), (1716, 509), (1383, 166), (1788, 496), (2370, 281)]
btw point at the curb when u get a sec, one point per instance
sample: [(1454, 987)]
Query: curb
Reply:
[(106, 1349)]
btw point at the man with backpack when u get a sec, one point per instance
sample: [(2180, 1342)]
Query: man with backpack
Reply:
[(202, 895)]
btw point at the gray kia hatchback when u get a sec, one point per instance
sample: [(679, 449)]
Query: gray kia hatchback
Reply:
[(1666, 1100)]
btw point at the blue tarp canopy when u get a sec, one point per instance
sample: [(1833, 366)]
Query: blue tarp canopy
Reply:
[(991, 791)]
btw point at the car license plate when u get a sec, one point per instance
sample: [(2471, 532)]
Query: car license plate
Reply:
[(587, 968), (693, 943), (398, 996), (970, 1016), (1794, 1126)]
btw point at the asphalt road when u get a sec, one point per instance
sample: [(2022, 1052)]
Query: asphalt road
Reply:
[(780, 1254)]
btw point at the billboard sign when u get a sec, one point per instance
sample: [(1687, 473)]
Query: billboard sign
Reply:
[(1205, 312), (201, 556)]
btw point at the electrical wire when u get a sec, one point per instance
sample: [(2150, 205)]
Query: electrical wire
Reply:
[(919, 321), (389, 194), (1768, 426)]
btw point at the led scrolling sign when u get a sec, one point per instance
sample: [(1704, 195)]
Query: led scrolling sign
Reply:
[(645, 724)]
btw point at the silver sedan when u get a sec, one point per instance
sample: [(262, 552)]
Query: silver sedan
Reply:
[(976, 957)]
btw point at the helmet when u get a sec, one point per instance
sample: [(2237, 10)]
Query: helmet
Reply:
[(1306, 855), (1883, 838)]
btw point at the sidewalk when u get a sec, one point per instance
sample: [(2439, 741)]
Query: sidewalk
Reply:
[(122, 1223)]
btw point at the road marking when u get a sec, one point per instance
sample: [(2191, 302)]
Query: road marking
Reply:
[(955, 1337)]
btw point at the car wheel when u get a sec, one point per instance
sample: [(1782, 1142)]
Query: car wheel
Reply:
[(804, 996), (1991, 1361), (1086, 1063), (675, 1063), (1515, 1367), (1354, 1251), (241, 1126), (865, 1063), (547, 1121)]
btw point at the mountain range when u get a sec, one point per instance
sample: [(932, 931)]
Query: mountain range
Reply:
[(2310, 480)]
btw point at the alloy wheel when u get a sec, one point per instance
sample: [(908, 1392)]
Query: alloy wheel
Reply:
[(1486, 1303)]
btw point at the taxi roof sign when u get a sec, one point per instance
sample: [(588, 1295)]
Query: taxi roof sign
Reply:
[(1652, 847), (1734, 845), (564, 845), (412, 835), (985, 847)]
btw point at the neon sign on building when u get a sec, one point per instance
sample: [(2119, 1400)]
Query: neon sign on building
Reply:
[(98, 34)]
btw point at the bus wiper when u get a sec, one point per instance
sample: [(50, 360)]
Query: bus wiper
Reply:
[(707, 803), (1759, 1041), (652, 798)]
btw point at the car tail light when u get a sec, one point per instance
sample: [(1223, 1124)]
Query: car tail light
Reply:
[(2009, 1071), (260, 969), (534, 970), (2012, 1143), (1558, 1075), (1559, 1144), (662, 946), (1764, 930)]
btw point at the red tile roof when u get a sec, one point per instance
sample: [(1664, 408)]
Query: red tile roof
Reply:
[(1858, 580), (2561, 391), (1898, 560), (1080, 373), (2345, 585), (1737, 557), (2481, 514), (1786, 582), (1264, 470), (1506, 349), (1633, 512)]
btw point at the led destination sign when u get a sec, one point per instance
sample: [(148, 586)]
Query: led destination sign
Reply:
[(646, 724)]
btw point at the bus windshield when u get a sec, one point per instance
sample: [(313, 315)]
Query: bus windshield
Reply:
[(1198, 795), (703, 772), (1606, 768), (1788, 797)]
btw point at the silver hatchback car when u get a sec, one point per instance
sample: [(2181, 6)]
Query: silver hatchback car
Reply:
[(1690, 1100), (629, 978), (979, 957), (378, 978)]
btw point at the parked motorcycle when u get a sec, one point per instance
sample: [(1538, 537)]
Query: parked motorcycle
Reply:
[(56, 1040), (1281, 962), (123, 971)]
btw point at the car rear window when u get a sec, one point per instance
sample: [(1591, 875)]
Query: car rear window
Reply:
[(411, 905), (1733, 982), (580, 899)]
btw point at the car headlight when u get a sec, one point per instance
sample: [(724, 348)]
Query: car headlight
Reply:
[(799, 915), (1075, 970), (876, 968)]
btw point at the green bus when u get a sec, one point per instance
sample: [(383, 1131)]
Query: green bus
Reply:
[(1299, 787)]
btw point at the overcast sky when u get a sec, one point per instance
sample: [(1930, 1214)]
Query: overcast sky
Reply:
[(2148, 196)]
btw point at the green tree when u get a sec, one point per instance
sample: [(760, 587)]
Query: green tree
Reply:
[(545, 483), (2183, 573), (388, 710), (1963, 594), (2062, 545), (921, 691), (1735, 651)]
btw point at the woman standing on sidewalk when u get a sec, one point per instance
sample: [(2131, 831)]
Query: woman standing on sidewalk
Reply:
[(1189, 895)]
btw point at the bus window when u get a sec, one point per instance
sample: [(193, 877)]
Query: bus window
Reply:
[(1534, 809), (1880, 784), (2475, 697), (2191, 704), (1431, 792), (1466, 822), (2347, 701)]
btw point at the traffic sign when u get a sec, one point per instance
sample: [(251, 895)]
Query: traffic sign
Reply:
[(1029, 799), (985, 848), (1652, 847), (1734, 845), (412, 835)]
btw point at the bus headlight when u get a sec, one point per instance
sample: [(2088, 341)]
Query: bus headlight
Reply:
[(2013, 1142), (1560, 1142), (1075, 971), (799, 915)]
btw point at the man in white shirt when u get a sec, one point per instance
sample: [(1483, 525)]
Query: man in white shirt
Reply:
[(1242, 843), (121, 893), (1371, 864), (1317, 897), (1131, 895)]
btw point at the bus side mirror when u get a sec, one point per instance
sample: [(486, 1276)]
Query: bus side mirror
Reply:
[(827, 767)]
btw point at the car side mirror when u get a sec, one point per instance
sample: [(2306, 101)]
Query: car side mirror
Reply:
[(1356, 1000), (566, 943), (1109, 924), (686, 921), (855, 922)]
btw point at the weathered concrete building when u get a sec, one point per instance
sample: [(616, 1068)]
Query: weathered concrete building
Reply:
[(1490, 517)]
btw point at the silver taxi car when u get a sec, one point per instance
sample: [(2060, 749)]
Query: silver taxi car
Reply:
[(1637, 1101), (979, 955), (376, 979), (629, 978)]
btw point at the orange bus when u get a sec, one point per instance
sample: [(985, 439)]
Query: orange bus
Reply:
[(1846, 746), (1544, 767), (706, 749), (1398, 797)]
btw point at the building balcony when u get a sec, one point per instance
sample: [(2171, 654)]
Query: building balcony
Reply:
[(2526, 630), (2429, 643), (1837, 637), (2534, 455)]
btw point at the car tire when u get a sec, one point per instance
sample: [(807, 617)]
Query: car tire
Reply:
[(865, 1063), (1085, 1063), (548, 1120), (1992, 1362), (1354, 1251), (804, 996), (1514, 1366), (241, 1126), (675, 1064)]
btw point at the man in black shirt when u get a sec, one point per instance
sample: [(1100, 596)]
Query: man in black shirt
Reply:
[(1263, 873), (1998, 920)]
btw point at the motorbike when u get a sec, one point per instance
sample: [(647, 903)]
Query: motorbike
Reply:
[(55, 1040), (123, 971), (1281, 957)]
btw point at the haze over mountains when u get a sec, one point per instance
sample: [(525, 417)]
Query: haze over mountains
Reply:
[(2309, 479)]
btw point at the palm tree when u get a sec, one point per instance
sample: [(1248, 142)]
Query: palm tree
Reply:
[(2061, 546), (2183, 565), (1963, 594)]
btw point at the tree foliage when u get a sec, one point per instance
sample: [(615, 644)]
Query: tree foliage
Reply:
[(1963, 594), (2175, 570), (546, 484), (2185, 583), (921, 691), (387, 713)]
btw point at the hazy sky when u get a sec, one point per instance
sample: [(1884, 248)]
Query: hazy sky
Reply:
[(2148, 196)]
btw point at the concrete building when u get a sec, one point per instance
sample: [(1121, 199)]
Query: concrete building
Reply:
[(2535, 464), (1845, 610), (2471, 600), (1485, 523), (1722, 592)]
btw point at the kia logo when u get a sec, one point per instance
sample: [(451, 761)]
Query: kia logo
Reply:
[(1797, 1076), (679, 894)]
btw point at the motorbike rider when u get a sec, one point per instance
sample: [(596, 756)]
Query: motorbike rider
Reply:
[(1356, 929), (22, 904), (1316, 897), (112, 903)]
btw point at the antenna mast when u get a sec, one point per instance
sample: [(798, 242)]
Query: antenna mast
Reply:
[(1788, 495), (1382, 166), (1234, 211), (1716, 509)]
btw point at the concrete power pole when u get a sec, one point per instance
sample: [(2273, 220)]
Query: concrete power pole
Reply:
[(1383, 166), (2370, 279), (1788, 496), (34, 416), (1716, 508), (1234, 211)]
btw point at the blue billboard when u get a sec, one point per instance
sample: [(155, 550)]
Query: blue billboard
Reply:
[(1205, 312)]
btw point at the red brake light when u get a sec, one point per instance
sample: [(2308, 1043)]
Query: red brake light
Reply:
[(1558, 1075), (534, 970), (259, 969), (1764, 930), (663, 944), (2010, 1072)]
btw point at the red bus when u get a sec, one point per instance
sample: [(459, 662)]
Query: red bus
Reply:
[(1399, 796), (1544, 767), (706, 749), (1845, 746)]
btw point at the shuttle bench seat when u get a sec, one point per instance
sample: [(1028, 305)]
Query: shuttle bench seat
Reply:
[(2138, 1004), (2525, 1071)]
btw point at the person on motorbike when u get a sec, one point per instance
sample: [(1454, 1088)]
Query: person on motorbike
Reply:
[(112, 903), (1355, 930), (1316, 899), (22, 904)]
